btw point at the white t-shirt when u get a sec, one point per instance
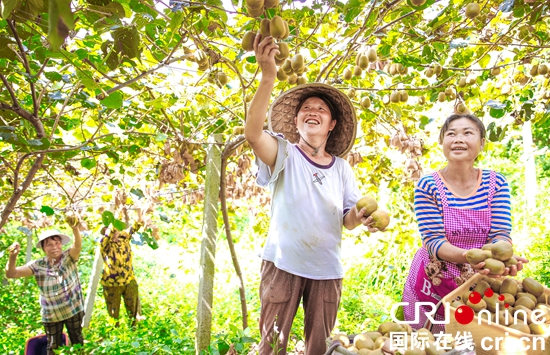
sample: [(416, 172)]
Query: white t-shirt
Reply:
[(309, 202)]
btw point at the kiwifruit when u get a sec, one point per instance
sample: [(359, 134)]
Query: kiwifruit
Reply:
[(496, 267), (502, 250), (351, 93), (347, 74), (504, 317), (475, 256), (297, 62), (287, 30), (393, 69), (264, 28), (365, 102), (280, 61), (395, 97), (462, 82), (292, 79), (477, 306), (363, 62), (543, 309), (492, 303), (487, 247), (384, 327), (403, 96), (357, 71), (401, 69), (525, 302), (481, 287), (421, 100), (301, 80), (429, 72), (534, 70), (371, 55), (457, 303), (418, 2), (269, 4), (342, 338), (377, 352), (495, 285), (380, 341), (373, 335), (363, 341), (485, 314), (438, 69), (222, 78), (287, 67), (526, 294), (277, 27), (353, 349), (255, 12), (283, 51), (364, 351), (414, 352), (441, 97), (255, 4), (532, 286), (509, 286), (495, 71), (543, 69), (544, 299), (248, 97), (509, 299), (461, 108), (472, 10), (248, 41), (281, 75), (523, 313), (510, 262)]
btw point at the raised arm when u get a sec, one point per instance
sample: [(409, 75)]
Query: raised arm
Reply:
[(263, 145), (75, 249), (12, 271)]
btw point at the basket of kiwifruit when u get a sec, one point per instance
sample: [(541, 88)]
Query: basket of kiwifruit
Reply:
[(392, 338), (505, 315)]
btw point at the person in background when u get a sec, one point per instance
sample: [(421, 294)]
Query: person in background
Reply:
[(56, 275), (118, 278), (314, 195), (458, 208)]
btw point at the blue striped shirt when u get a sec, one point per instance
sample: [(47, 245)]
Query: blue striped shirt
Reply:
[(429, 209)]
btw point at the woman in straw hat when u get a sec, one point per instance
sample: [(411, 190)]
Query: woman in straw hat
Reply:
[(314, 193), (56, 275)]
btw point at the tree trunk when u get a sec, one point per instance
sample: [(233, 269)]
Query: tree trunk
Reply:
[(208, 246)]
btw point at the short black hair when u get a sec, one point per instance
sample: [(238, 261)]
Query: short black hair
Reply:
[(451, 118), (53, 236), (334, 113)]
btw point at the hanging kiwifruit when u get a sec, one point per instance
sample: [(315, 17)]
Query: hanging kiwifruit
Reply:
[(460, 108), (281, 75), (421, 100), (297, 62), (371, 55), (472, 10), (287, 67), (347, 74), (357, 71), (534, 70), (495, 71), (255, 12), (248, 41), (395, 97), (284, 51), (301, 80), (222, 78), (462, 82), (363, 62), (351, 93), (292, 79), (437, 69), (287, 30), (277, 27), (278, 61), (255, 4), (441, 97), (403, 96), (269, 4), (542, 70), (365, 102), (429, 72), (393, 69), (264, 28)]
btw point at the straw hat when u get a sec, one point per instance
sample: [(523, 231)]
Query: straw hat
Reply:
[(283, 111), (65, 239)]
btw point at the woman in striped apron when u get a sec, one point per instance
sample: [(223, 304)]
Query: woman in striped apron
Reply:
[(457, 208)]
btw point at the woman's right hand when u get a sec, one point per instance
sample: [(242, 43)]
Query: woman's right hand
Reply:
[(265, 51), (14, 249)]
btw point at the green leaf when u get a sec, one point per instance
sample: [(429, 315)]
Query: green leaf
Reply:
[(114, 100), (127, 41), (497, 113), (47, 210), (9, 5), (352, 9), (485, 61), (137, 192), (107, 218), (88, 163), (60, 22), (118, 224), (161, 137), (5, 51)]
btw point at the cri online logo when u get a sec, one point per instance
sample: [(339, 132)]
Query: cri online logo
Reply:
[(465, 314)]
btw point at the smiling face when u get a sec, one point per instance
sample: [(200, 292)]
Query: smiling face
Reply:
[(462, 140), (314, 117), (52, 247)]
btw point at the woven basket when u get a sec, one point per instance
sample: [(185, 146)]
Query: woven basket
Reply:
[(512, 341)]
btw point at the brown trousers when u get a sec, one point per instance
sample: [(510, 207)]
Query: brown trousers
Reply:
[(280, 295), (129, 293)]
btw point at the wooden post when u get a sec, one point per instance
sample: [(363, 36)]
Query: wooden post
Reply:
[(92, 287), (208, 245)]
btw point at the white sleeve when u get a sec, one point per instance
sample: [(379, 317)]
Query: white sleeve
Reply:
[(265, 177)]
